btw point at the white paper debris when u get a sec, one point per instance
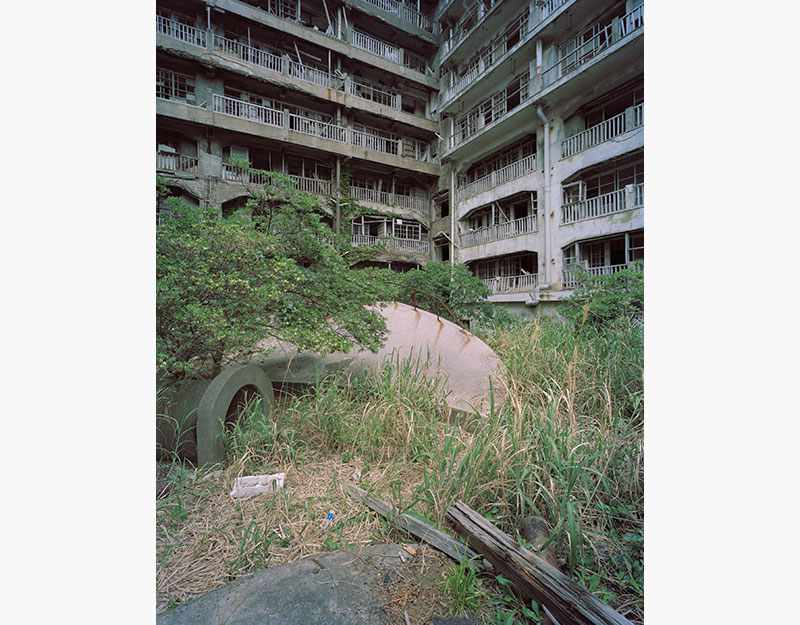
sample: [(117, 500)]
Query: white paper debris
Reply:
[(256, 485)]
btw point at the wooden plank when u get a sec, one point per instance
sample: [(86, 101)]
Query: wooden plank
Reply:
[(568, 602), (414, 526)]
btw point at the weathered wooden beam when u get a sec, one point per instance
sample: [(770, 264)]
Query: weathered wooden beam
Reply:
[(568, 602), (414, 526)]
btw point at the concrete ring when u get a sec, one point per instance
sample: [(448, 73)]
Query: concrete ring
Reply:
[(214, 405)]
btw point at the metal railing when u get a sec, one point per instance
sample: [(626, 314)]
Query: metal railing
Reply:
[(500, 176), (181, 32), (317, 128), (415, 62), (391, 243), (491, 56), (404, 12), (512, 284), (242, 174), (369, 141), (418, 150), (247, 53), (248, 111), (376, 93), (314, 75), (606, 204), (176, 162), (387, 198), (376, 46), (549, 6), (604, 131), (513, 228), (572, 278), (632, 20)]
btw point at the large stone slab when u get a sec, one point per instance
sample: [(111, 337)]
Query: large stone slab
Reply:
[(463, 363), (336, 588)]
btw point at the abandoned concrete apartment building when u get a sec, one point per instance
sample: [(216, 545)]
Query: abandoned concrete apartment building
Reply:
[(505, 134)]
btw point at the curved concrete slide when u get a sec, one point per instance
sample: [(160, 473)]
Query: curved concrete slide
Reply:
[(463, 363)]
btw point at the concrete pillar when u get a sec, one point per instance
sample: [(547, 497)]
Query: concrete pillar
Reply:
[(616, 31), (629, 119)]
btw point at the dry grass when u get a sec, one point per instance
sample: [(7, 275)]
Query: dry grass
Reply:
[(566, 446)]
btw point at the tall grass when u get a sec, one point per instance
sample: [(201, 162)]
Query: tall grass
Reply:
[(566, 445)]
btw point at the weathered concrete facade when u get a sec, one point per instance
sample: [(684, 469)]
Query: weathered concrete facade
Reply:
[(506, 134)]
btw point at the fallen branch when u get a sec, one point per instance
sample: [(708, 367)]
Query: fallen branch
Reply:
[(414, 526), (569, 603)]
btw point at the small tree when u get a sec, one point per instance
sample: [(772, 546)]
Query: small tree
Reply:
[(272, 270), (606, 298)]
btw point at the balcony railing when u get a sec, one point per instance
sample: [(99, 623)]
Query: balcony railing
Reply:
[(505, 174), (317, 128), (405, 13), (374, 142), (376, 46), (248, 111), (632, 20), (388, 198), (391, 244), (606, 204), (415, 62), (496, 232), (315, 76), (181, 32), (512, 284), (370, 91), (316, 186), (491, 56), (176, 162), (249, 54), (604, 131), (572, 278), (490, 110)]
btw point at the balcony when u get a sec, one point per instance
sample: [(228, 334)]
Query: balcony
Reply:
[(391, 244), (235, 173), (405, 13), (506, 230), (628, 198), (512, 284), (523, 90), (490, 57), (181, 32), (177, 163), (282, 64), (466, 27), (317, 128), (246, 110), (388, 51), (572, 279), (373, 92), (500, 176), (409, 202), (604, 131)]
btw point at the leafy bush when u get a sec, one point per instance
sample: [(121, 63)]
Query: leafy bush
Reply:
[(465, 295), (272, 270), (605, 298)]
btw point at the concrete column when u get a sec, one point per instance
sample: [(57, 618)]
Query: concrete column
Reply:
[(616, 31), (629, 119), (338, 195), (286, 119), (453, 207)]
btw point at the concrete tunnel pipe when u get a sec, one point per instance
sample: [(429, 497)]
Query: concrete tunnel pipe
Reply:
[(197, 414)]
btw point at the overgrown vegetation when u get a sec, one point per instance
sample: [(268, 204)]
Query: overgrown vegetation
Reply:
[(276, 269), (566, 446), (602, 299)]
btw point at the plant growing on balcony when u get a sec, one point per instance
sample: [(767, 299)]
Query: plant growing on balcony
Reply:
[(603, 299), (223, 285)]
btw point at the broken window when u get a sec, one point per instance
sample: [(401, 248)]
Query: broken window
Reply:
[(174, 86)]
